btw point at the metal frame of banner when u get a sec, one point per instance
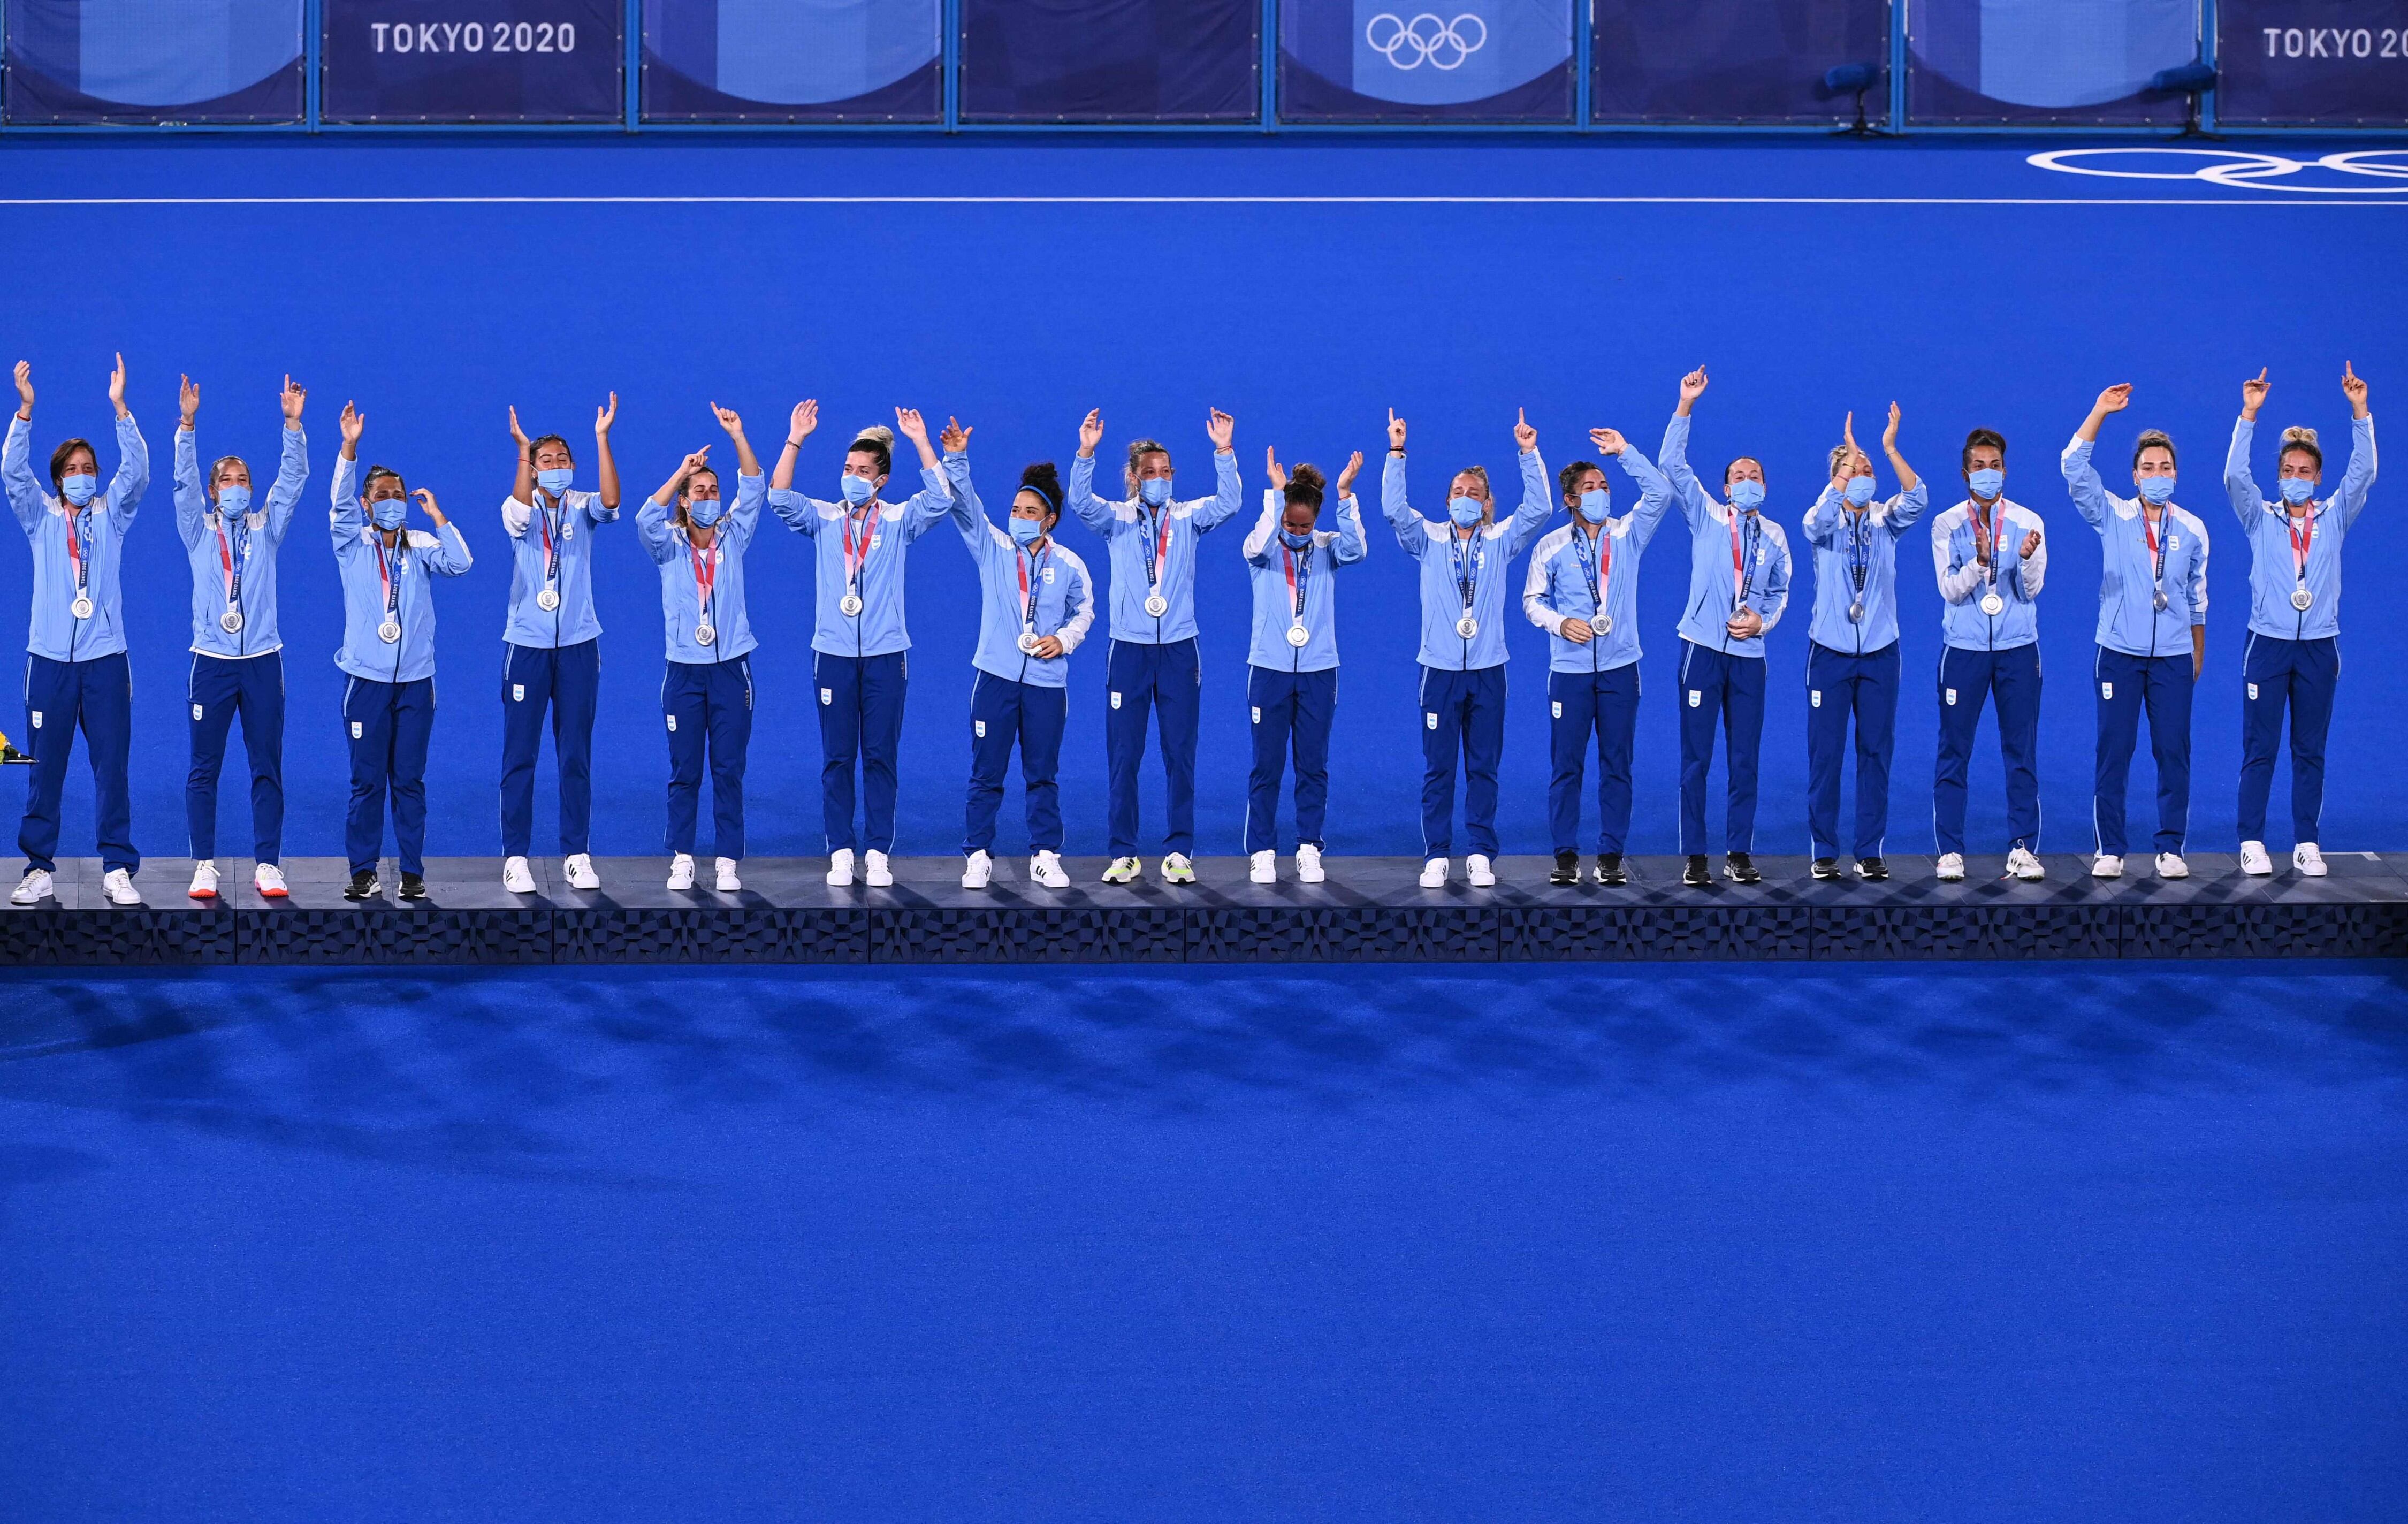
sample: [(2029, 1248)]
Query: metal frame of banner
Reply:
[(1896, 120)]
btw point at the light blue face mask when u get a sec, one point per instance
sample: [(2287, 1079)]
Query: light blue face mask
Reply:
[(1747, 493), (856, 489), (1987, 481), (1295, 542), (1155, 490), (233, 500), (1859, 491), (703, 512), (555, 481), (1026, 531), (388, 512), (1596, 505), (1464, 511), (2295, 489), (2157, 489), (79, 490)]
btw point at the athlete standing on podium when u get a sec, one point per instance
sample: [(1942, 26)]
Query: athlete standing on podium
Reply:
[(552, 645), (1152, 667), (1466, 563)]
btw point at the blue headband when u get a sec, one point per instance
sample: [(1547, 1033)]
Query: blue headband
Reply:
[(1051, 501)]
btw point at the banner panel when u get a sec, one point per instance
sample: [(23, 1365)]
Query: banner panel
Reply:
[(1735, 60), (1110, 59), (1382, 60), (2046, 61), (2323, 63), (152, 61), (794, 61), (472, 61)]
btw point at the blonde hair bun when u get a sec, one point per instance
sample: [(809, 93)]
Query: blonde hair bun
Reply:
[(878, 433), (2300, 436)]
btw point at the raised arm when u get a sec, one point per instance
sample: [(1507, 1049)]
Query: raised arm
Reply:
[(603, 418), (653, 525), (349, 515), (1351, 544), (2359, 478), (15, 457), (448, 555), (292, 462), (1655, 489), (1913, 496), (934, 502), (2239, 484), (2081, 477), (1674, 460), (1256, 546), (1412, 531), (1083, 504), (1537, 491), (800, 423), (132, 455), (1227, 494), (192, 502), (968, 513)]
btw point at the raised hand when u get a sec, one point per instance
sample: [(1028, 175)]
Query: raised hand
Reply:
[(26, 387), (1346, 477), (117, 387), (1396, 430), (1848, 436), (1889, 435), (188, 400), (728, 420), (426, 498), (1220, 428), (605, 416), (1609, 440), (2253, 393), (1693, 385), (955, 439), (2031, 543), (290, 400), (909, 424), (1272, 467), (353, 423), (517, 433), (1091, 431), (801, 421), (2115, 399), (1525, 439), (2354, 389), (699, 460)]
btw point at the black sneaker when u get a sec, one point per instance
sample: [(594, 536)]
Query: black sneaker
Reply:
[(414, 887), (1739, 869), (1694, 874), (1566, 869), (1609, 869), (364, 885), (1871, 870), (1826, 868)]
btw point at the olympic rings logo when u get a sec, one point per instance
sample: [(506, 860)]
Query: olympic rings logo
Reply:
[(1440, 44), (2237, 170)]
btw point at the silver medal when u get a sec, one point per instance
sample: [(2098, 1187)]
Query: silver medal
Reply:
[(1156, 605), (1855, 613), (704, 635), (80, 608), (1993, 604), (230, 620), (390, 631), (547, 600), (1298, 634), (2301, 599), (850, 605), (1028, 642), (2159, 600), (1602, 623), (1466, 627)]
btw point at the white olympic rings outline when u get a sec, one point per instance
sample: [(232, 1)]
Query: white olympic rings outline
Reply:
[(2238, 170), (1425, 50)]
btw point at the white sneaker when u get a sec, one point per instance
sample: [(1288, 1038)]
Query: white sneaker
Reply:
[(1123, 871), (2307, 861), (2108, 867), (681, 871), (728, 883), (2024, 864), (579, 870), (1308, 863), (33, 888), (516, 876), (839, 873), (1262, 868), (1176, 868), (1045, 871), (119, 886), (874, 870), (2171, 866), (1434, 874), (978, 871), (1476, 869), (2253, 859), (1951, 866), (268, 880), (204, 882)]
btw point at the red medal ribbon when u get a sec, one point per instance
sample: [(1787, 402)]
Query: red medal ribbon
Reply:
[(2300, 544), (1739, 563), (1295, 593), (384, 575), (75, 553), (852, 562), (1161, 547), (706, 575), (1021, 561)]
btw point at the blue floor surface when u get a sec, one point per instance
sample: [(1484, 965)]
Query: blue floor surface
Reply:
[(2027, 1242)]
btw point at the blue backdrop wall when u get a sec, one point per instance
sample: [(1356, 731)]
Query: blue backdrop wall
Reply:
[(1306, 321)]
